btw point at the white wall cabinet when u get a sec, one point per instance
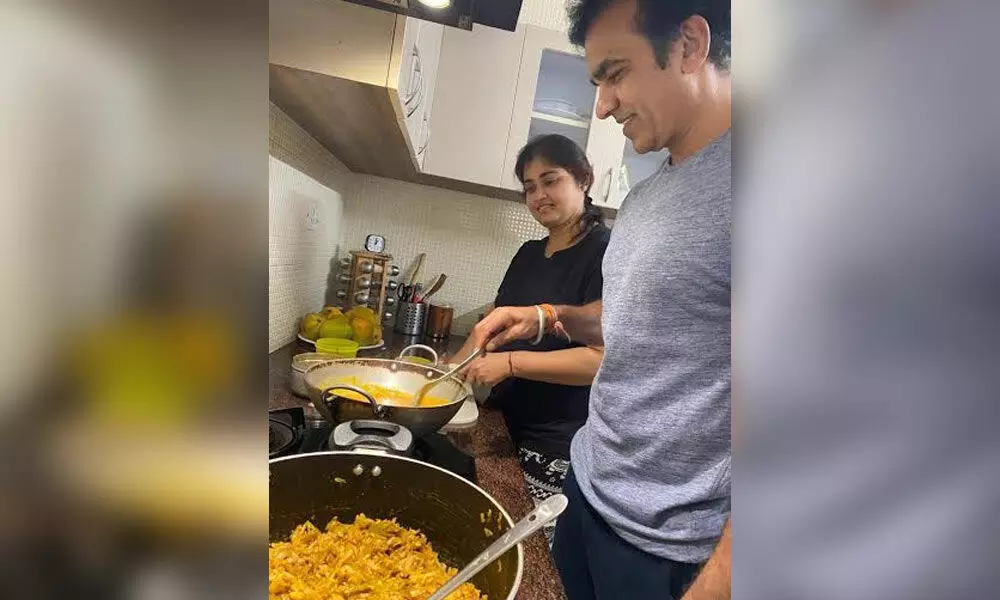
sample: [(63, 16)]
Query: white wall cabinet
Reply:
[(621, 166), (554, 95), (473, 99), (631, 169), (338, 39), (359, 80), (405, 98), (420, 55)]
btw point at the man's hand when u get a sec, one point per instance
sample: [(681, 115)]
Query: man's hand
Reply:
[(504, 325), (490, 369), (714, 582)]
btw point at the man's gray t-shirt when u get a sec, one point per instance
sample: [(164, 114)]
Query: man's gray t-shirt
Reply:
[(654, 456)]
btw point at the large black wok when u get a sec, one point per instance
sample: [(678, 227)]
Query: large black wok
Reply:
[(446, 508)]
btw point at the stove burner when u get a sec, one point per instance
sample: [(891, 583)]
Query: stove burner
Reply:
[(280, 437), (289, 432)]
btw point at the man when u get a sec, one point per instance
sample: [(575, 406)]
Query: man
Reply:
[(649, 486), (869, 309)]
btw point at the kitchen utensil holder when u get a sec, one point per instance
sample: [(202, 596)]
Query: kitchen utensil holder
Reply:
[(411, 318)]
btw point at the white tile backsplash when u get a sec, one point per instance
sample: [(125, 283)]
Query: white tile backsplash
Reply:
[(305, 222), (318, 209), (305, 218)]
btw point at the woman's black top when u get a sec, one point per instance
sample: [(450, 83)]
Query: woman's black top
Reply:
[(545, 416)]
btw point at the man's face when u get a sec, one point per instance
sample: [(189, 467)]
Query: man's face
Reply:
[(651, 102)]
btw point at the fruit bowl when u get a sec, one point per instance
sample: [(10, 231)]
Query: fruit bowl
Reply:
[(359, 324)]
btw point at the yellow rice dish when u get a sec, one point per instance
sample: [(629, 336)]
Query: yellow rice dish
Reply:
[(371, 559)]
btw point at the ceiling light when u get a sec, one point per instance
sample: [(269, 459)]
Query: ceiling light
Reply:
[(436, 3)]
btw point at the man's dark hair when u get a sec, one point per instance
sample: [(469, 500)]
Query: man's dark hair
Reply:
[(660, 21)]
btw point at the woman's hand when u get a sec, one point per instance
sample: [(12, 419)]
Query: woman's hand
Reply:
[(490, 369)]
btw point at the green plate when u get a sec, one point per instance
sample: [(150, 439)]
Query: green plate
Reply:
[(420, 360)]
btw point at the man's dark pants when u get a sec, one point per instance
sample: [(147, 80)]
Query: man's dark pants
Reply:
[(595, 564)]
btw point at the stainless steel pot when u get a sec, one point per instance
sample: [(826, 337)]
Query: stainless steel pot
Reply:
[(447, 509), (322, 381), (300, 364)]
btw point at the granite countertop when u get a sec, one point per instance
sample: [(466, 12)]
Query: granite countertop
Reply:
[(497, 468)]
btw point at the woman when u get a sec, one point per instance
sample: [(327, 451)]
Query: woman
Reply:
[(544, 389)]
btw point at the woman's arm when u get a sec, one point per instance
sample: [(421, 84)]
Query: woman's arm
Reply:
[(573, 366)]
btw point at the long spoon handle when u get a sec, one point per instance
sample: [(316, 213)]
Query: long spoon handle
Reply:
[(548, 510)]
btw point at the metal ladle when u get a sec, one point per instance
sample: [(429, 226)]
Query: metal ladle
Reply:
[(548, 510), (430, 384)]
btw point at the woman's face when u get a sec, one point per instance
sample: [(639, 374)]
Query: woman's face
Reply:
[(553, 196)]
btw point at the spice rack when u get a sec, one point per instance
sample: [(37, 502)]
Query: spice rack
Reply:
[(366, 279)]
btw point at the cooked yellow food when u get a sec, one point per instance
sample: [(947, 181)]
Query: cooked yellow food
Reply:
[(383, 395), (371, 559)]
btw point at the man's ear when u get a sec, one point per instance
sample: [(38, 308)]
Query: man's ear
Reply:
[(696, 39)]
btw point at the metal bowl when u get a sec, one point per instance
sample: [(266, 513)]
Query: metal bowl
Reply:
[(321, 380)]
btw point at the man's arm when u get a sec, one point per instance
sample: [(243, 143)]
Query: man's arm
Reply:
[(582, 323), (504, 325), (714, 581)]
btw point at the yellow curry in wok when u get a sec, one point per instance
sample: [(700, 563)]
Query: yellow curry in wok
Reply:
[(383, 395)]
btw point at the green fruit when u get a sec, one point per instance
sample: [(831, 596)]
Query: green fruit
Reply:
[(311, 325), (363, 331), (362, 312), (330, 312), (337, 327)]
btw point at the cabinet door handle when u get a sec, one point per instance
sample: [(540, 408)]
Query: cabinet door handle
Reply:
[(609, 183), (408, 92), (415, 84), (427, 135)]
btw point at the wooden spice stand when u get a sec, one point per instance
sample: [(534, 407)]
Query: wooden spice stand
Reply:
[(368, 278)]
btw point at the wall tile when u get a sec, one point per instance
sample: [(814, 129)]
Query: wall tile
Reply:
[(305, 217)]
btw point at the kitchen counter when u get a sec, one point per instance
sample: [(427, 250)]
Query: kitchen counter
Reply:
[(497, 468)]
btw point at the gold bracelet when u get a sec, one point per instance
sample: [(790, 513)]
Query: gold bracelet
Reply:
[(510, 362)]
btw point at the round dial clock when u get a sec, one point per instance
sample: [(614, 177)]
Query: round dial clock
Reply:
[(374, 243)]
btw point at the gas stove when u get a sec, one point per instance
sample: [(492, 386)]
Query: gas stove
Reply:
[(290, 433)]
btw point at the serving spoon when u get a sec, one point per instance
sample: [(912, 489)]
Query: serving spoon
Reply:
[(433, 382), (545, 512)]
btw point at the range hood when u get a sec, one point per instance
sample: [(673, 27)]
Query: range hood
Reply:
[(501, 14)]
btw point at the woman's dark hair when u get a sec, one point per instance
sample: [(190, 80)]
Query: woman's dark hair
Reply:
[(660, 21), (560, 151)]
